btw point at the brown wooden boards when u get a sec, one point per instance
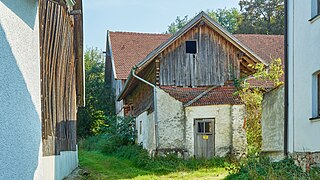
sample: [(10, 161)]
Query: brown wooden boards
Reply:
[(61, 74)]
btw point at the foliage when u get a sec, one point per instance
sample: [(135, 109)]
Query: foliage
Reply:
[(227, 18), (99, 98), (252, 98), (254, 17), (230, 19), (119, 132), (263, 168), (262, 17), (177, 24)]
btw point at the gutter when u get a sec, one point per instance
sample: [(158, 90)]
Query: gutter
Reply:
[(154, 105), (286, 80)]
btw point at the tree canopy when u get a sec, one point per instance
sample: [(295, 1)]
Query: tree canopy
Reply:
[(99, 103), (254, 17), (262, 17)]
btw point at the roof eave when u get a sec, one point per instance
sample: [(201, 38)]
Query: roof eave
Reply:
[(123, 93), (111, 55)]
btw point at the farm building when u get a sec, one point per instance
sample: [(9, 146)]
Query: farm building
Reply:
[(180, 87), (41, 84)]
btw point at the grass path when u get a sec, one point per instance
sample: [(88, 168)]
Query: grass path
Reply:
[(102, 167)]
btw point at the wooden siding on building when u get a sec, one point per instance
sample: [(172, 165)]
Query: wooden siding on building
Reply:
[(61, 76), (141, 99), (215, 62)]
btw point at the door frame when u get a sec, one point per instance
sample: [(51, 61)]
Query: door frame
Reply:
[(213, 130)]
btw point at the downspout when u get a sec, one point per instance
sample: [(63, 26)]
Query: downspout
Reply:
[(286, 80), (154, 105)]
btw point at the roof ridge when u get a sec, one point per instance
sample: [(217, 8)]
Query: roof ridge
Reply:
[(259, 34), (142, 33)]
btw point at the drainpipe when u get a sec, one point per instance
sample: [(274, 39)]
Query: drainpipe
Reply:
[(154, 105), (286, 80)]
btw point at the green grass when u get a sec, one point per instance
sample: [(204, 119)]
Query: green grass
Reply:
[(102, 166)]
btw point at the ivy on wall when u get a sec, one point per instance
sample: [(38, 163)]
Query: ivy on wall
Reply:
[(252, 98)]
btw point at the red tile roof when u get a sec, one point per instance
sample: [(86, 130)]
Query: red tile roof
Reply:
[(268, 47), (217, 96), (129, 48)]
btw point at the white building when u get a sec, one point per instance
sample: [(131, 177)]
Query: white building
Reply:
[(303, 34), (37, 142)]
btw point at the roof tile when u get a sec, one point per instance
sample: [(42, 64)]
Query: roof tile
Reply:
[(129, 48), (217, 96)]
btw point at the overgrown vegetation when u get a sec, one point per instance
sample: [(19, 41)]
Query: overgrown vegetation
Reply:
[(99, 98), (138, 158), (263, 168), (252, 97), (254, 17)]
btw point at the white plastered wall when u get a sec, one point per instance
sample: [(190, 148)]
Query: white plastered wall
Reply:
[(304, 60), (171, 121), (229, 134), (146, 136), (20, 104)]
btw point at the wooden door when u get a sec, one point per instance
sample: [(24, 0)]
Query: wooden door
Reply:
[(204, 138)]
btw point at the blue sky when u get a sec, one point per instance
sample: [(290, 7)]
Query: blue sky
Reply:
[(139, 15)]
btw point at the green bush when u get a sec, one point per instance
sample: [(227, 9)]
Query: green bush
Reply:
[(263, 168), (94, 143)]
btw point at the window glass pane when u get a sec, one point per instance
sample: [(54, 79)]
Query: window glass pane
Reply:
[(191, 47), (208, 127), (318, 7), (200, 127), (318, 94)]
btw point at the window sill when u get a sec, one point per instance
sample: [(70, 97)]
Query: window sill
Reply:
[(314, 18), (314, 119)]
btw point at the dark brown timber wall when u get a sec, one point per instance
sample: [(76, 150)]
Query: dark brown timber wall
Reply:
[(215, 62), (61, 76)]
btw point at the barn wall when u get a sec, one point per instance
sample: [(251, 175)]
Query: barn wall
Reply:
[(141, 98), (20, 103), (228, 127), (61, 80), (215, 62)]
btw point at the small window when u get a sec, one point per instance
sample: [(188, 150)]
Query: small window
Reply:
[(191, 47), (140, 128), (204, 127), (318, 7), (315, 8), (318, 94)]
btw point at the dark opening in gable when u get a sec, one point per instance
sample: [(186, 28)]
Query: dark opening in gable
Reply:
[(191, 47)]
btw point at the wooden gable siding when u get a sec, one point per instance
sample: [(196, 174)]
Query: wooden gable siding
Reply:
[(215, 62), (141, 98), (59, 63)]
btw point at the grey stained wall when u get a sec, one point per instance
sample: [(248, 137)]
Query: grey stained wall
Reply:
[(273, 123), (20, 129), (229, 132)]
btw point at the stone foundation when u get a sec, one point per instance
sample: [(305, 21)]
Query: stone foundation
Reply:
[(306, 160)]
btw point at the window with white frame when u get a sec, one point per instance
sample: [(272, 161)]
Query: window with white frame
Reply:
[(315, 8), (316, 95)]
